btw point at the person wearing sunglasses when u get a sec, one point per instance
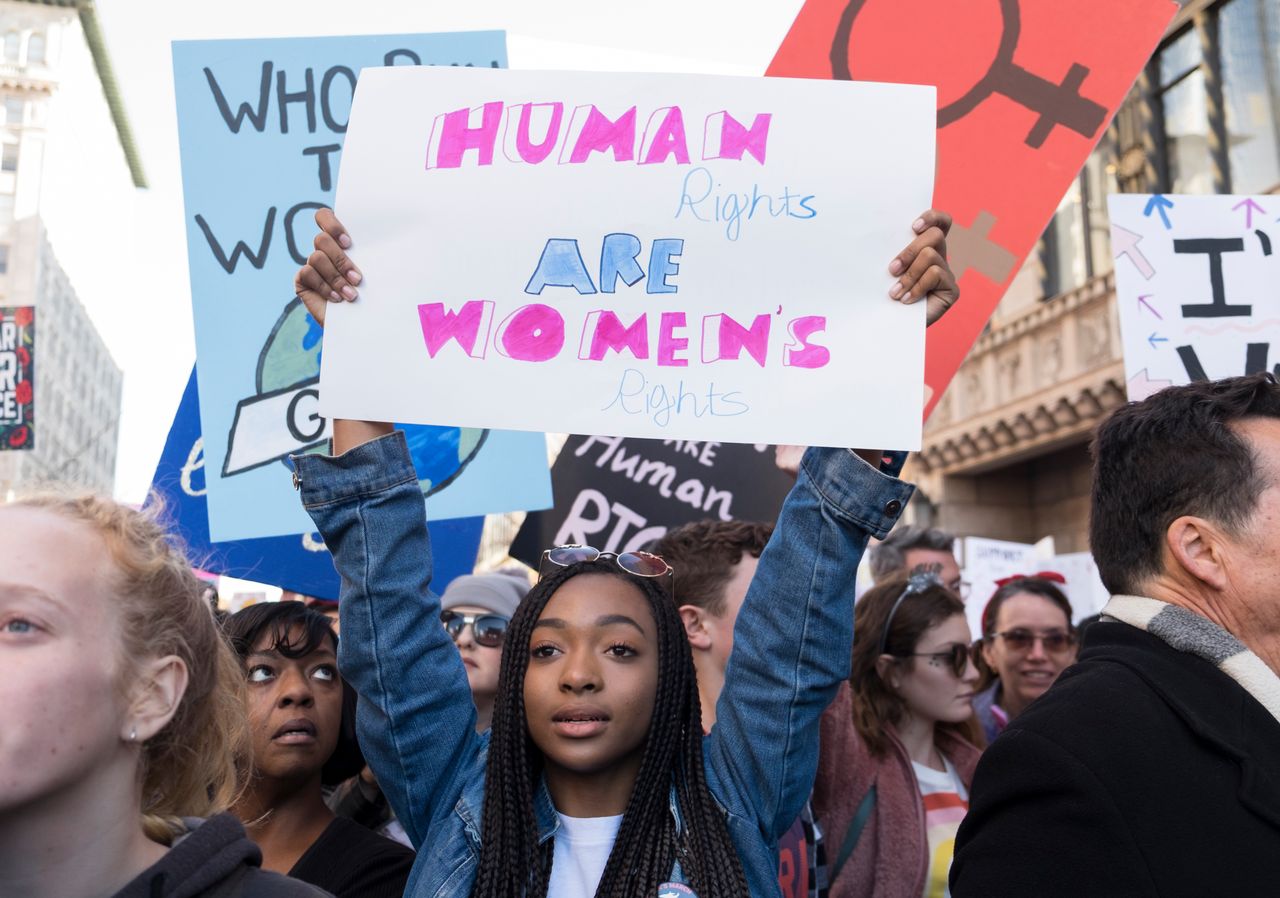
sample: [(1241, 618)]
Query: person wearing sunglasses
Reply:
[(1027, 641), (595, 777), (476, 610), (898, 745)]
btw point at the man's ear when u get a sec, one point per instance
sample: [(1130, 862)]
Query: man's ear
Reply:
[(695, 627), (156, 695), (1197, 547)]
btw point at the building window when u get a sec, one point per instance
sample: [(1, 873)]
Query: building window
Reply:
[(4, 258), (35, 49), (1246, 54), (1076, 245), (13, 107), (1186, 119), (12, 43), (9, 157), (1249, 32)]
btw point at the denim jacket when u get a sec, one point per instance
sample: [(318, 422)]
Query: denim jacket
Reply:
[(416, 722)]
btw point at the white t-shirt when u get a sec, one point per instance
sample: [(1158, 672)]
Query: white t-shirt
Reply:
[(582, 850), (945, 803)]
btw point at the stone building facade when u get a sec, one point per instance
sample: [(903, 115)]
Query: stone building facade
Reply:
[(64, 136)]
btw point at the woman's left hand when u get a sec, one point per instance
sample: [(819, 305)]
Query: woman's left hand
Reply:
[(922, 269)]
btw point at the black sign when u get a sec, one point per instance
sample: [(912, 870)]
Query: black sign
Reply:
[(620, 494)]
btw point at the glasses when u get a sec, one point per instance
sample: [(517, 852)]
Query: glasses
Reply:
[(489, 629), (922, 577), (638, 564), (957, 657), (1055, 642)]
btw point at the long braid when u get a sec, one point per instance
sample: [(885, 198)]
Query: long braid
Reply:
[(513, 865)]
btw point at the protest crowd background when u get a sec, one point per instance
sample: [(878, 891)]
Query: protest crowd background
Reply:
[(1029, 647)]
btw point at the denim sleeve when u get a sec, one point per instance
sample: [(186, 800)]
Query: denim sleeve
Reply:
[(415, 718), (794, 636)]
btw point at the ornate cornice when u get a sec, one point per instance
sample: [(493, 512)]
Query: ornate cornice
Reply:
[(1037, 382)]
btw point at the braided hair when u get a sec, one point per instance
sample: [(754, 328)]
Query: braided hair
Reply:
[(514, 865)]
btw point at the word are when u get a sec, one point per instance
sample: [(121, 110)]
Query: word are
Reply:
[(534, 132)]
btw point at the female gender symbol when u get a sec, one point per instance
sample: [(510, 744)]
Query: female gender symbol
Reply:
[(1057, 104)]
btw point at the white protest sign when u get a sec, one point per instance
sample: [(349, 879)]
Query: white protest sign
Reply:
[(989, 560), (1196, 282), (669, 256)]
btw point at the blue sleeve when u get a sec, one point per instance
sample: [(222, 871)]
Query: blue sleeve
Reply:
[(794, 636), (415, 719)]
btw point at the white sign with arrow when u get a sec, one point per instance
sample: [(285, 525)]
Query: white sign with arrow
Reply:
[(1196, 283)]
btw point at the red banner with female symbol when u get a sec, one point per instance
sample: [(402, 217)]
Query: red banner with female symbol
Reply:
[(1025, 91), (17, 378)]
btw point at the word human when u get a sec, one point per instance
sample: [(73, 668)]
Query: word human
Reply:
[(537, 332), (532, 133)]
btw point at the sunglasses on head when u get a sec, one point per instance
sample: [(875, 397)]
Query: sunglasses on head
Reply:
[(489, 629), (638, 564), (1054, 641), (957, 657), (923, 576)]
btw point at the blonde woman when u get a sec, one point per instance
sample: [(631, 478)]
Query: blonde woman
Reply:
[(123, 713)]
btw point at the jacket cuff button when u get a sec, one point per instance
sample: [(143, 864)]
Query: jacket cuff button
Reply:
[(892, 507)]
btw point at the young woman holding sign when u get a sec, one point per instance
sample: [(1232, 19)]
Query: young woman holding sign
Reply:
[(595, 778)]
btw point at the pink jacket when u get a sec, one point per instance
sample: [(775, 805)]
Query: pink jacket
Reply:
[(891, 860)]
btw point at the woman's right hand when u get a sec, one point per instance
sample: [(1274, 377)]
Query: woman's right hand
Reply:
[(329, 275)]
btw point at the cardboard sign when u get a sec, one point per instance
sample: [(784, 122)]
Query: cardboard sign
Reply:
[(1196, 282), (299, 562), (619, 494), (17, 378), (1025, 91), (261, 125), (646, 255)]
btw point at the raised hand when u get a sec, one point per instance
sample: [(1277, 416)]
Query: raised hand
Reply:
[(329, 275), (922, 269)]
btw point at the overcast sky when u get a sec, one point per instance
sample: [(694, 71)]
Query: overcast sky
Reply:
[(718, 36)]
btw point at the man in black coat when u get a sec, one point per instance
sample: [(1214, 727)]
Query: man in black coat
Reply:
[(1152, 767)]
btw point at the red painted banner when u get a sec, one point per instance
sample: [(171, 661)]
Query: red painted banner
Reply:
[(1025, 91)]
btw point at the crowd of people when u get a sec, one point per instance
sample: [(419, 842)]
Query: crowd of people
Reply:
[(715, 716)]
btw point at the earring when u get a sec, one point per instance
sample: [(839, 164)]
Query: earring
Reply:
[(133, 734)]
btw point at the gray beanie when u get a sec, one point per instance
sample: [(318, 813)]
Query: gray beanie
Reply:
[(499, 592)]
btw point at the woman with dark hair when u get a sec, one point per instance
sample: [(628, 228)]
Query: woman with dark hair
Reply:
[(302, 730), (898, 744), (1027, 641)]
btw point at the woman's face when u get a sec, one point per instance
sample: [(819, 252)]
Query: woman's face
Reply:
[(64, 720), (928, 685), (483, 663), (593, 676), (1027, 672), (295, 709)]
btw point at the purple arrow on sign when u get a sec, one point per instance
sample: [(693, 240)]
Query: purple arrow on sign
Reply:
[(1249, 208), (1142, 301)]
